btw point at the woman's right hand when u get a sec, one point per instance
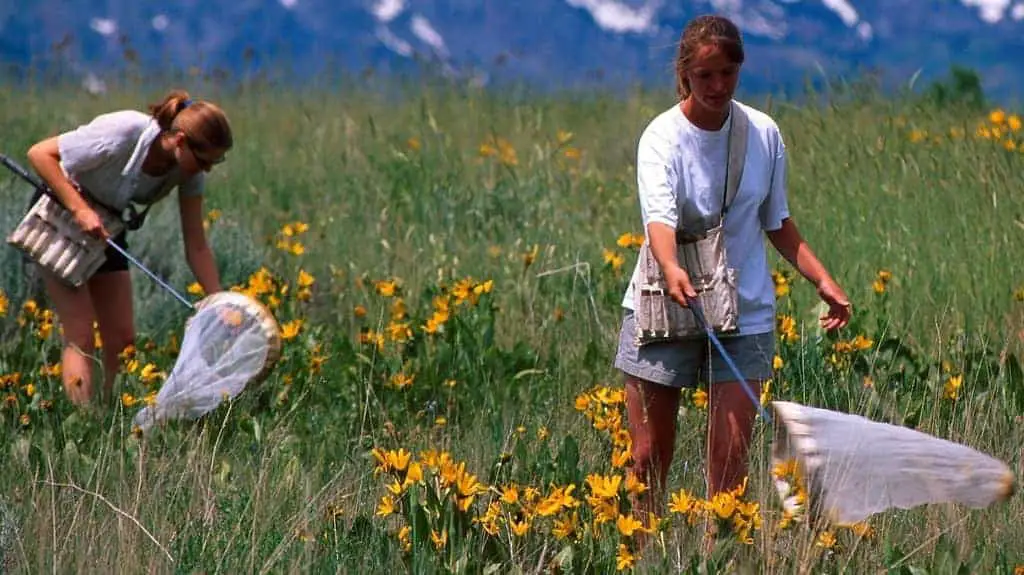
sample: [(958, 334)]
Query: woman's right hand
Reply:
[(90, 222), (678, 283)]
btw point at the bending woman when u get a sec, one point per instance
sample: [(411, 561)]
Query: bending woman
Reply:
[(120, 159), (681, 172)]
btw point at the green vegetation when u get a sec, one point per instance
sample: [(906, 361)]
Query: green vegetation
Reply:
[(447, 267)]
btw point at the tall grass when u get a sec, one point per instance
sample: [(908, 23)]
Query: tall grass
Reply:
[(509, 211)]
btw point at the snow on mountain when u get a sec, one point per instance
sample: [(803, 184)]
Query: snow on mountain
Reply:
[(548, 42)]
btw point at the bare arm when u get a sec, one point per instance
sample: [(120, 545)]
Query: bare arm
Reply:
[(792, 246), (44, 157), (663, 245), (197, 251)]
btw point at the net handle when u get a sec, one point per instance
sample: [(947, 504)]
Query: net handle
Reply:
[(699, 314), (14, 167)]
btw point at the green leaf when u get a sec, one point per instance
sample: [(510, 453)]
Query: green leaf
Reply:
[(568, 461)]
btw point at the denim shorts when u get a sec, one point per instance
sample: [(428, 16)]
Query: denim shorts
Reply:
[(688, 363)]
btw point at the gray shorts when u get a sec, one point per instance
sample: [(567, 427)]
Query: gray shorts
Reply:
[(686, 363)]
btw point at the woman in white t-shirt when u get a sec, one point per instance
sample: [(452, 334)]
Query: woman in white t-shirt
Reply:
[(121, 159), (681, 166)]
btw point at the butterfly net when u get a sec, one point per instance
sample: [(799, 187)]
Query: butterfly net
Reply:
[(849, 467), (230, 342)]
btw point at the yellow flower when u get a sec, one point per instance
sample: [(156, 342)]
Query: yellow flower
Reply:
[(510, 494), (530, 256), (386, 506), (997, 116), (386, 288), (565, 526), (604, 487), (630, 240), (634, 485), (700, 399), (624, 559), (683, 503), (291, 329), (787, 328), (401, 380), (620, 457), (439, 539), (150, 374), (613, 259), (951, 390), (520, 528), (766, 393), (723, 504), (558, 500), (781, 284), (627, 525), (403, 537)]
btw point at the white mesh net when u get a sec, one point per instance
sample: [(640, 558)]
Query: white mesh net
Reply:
[(854, 467), (231, 341)]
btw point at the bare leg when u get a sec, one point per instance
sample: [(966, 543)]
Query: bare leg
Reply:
[(74, 311), (112, 299), (651, 411), (730, 425)]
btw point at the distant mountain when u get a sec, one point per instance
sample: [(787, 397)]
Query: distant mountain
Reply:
[(546, 42)]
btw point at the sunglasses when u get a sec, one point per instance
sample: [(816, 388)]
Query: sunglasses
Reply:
[(202, 160)]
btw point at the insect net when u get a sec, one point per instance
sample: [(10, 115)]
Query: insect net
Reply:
[(230, 342), (850, 467)]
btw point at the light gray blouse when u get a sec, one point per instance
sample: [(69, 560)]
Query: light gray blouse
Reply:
[(104, 158)]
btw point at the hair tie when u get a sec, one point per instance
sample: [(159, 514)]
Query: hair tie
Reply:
[(186, 103)]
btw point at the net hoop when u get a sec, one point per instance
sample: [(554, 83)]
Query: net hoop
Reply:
[(269, 326)]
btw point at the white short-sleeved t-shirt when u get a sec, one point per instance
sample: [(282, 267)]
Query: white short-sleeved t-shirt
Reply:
[(681, 177), (95, 156)]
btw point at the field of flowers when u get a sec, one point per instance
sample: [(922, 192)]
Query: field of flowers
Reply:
[(446, 271)]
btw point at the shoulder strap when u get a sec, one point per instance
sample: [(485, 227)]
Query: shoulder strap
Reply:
[(137, 218), (737, 154)]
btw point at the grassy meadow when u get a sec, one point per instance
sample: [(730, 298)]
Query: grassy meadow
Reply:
[(447, 266)]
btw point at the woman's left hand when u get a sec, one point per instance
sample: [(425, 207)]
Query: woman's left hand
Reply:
[(839, 308)]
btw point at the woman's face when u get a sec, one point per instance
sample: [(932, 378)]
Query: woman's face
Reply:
[(713, 77), (193, 160)]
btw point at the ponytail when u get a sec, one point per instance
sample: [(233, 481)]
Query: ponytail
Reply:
[(168, 109), (203, 122)]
